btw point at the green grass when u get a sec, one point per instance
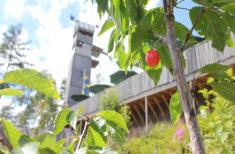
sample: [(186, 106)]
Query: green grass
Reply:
[(161, 139)]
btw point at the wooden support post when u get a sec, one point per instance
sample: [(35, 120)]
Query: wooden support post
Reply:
[(146, 113)]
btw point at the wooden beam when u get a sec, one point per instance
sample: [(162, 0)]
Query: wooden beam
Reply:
[(153, 111), (134, 118), (159, 106), (146, 113), (139, 114), (165, 100)]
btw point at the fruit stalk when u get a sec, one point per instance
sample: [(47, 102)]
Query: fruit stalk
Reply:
[(196, 142)]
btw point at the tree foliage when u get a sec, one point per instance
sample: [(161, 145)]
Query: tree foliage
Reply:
[(12, 50)]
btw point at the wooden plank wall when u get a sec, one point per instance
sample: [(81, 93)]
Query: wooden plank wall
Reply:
[(140, 86)]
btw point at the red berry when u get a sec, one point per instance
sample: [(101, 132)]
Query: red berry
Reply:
[(152, 58)]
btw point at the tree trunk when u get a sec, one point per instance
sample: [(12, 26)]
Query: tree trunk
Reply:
[(196, 142)]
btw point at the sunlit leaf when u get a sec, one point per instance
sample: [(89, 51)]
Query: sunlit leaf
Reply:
[(212, 26), (34, 80), (106, 26), (95, 138), (11, 92), (175, 107), (63, 118), (113, 117), (12, 133)]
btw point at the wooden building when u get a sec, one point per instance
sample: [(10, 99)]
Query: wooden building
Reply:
[(149, 102)]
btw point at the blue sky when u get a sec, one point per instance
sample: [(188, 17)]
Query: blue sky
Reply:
[(47, 25)]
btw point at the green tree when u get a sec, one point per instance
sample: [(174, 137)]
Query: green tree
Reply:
[(12, 50), (110, 101), (157, 28)]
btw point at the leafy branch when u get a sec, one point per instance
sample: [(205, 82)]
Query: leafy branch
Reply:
[(189, 34)]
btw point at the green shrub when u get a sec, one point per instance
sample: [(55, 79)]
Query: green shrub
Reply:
[(217, 123), (110, 101), (161, 139)]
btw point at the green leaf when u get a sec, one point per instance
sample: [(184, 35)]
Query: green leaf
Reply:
[(154, 74), (50, 143), (79, 98), (214, 68), (106, 26), (175, 107), (229, 8), (135, 39), (63, 118), (229, 20), (217, 3), (181, 31), (212, 26), (164, 54), (95, 138), (121, 55), (113, 117), (102, 6), (98, 88), (120, 76), (12, 133), (34, 80), (11, 92), (111, 41), (225, 89), (29, 148), (153, 21)]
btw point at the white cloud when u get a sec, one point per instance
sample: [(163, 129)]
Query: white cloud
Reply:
[(14, 8)]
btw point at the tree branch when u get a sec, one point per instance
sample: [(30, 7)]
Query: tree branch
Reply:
[(182, 8), (189, 34), (82, 135), (162, 38)]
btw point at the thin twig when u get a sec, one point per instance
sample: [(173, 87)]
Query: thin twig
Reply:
[(182, 8), (189, 34), (81, 136)]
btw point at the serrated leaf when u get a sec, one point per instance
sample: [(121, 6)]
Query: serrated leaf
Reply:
[(229, 20), (214, 68), (113, 117), (12, 133), (11, 92), (34, 80), (175, 107), (95, 138), (225, 89), (63, 118), (106, 26), (212, 26)]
